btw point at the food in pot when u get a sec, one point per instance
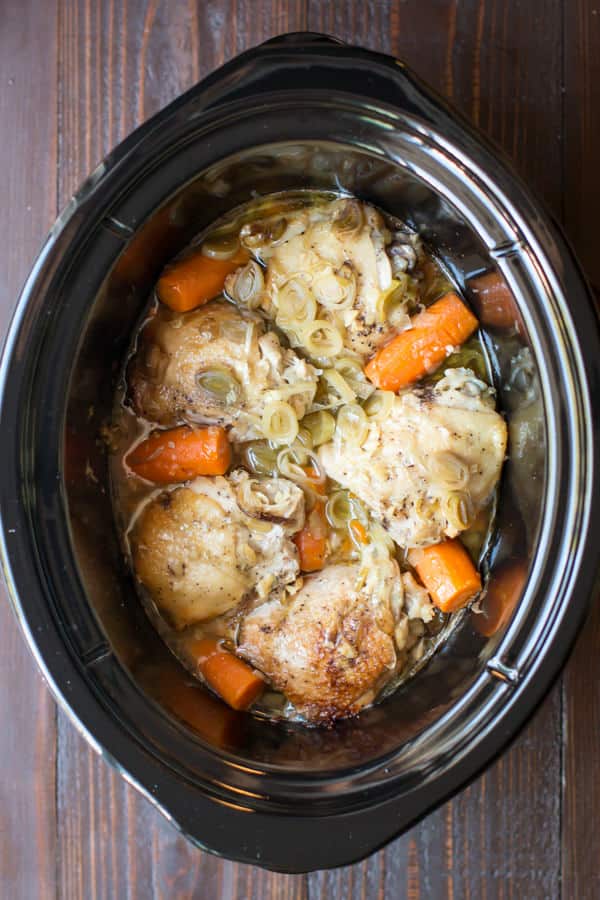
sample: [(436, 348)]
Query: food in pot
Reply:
[(429, 465), (329, 647), (218, 364), (201, 548), (305, 455)]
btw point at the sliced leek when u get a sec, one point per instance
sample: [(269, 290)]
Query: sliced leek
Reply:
[(260, 457), (220, 384), (295, 305), (321, 339), (339, 510), (379, 405), (352, 425), (320, 425), (336, 384), (279, 422), (335, 290), (247, 285), (221, 244)]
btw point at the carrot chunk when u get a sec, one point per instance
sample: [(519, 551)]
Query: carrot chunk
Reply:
[(196, 279), (503, 593), (448, 574), (419, 350), (181, 453), (212, 720), (229, 676), (495, 303), (311, 540)]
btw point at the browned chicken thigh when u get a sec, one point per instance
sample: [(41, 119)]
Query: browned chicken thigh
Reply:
[(200, 550), (215, 365), (330, 647)]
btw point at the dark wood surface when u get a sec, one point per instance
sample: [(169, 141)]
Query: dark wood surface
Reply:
[(75, 77)]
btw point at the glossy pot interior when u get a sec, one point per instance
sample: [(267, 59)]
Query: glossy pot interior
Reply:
[(308, 113)]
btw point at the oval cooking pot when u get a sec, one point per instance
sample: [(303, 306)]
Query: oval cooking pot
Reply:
[(299, 111)]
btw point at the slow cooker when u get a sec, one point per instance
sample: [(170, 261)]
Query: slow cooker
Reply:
[(301, 111)]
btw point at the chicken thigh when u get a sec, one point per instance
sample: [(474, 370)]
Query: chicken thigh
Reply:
[(336, 257), (215, 365), (431, 464), (199, 550), (330, 647)]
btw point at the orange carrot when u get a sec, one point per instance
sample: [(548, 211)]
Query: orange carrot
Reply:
[(229, 676), (192, 281), (503, 593), (448, 574), (212, 720), (435, 332), (359, 531), (181, 453), (495, 303), (311, 540)]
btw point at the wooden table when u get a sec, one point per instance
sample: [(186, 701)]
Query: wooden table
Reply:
[(75, 77)]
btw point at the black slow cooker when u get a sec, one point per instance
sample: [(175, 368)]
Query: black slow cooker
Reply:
[(300, 111)]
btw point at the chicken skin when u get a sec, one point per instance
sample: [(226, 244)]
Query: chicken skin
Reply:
[(429, 466), (199, 550), (337, 254), (215, 365), (330, 647)]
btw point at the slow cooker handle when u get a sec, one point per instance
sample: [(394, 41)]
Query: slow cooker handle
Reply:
[(276, 65), (296, 38), (308, 59)]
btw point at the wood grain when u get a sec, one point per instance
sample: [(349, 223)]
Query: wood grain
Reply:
[(75, 77), (28, 191), (581, 801)]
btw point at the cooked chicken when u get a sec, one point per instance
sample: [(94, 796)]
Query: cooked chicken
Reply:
[(199, 550), (417, 602), (336, 254), (427, 468), (418, 609), (272, 499), (215, 365), (330, 647)]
